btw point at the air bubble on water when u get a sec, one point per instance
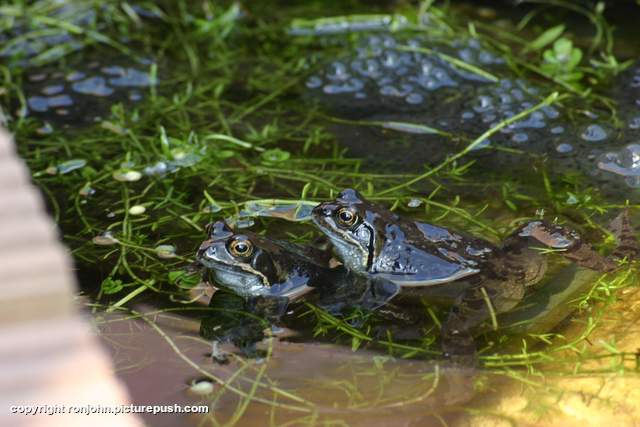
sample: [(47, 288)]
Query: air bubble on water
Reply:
[(137, 210), (245, 223), (314, 82), (165, 251), (38, 103), (564, 148), (388, 41), (114, 70), (594, 133), (45, 129), (387, 90), (105, 239), (414, 203), (201, 387), (60, 101), (124, 175), (487, 118), (505, 99), (634, 123), (135, 96), (133, 78), (520, 137), (353, 85), (87, 190), (557, 130), (485, 103), (96, 86), (37, 77), (390, 59), (213, 208), (550, 112), (71, 165), (482, 144), (75, 76), (337, 71), (517, 94), (52, 90)]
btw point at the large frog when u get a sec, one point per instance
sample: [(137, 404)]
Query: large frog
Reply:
[(479, 278), (269, 274)]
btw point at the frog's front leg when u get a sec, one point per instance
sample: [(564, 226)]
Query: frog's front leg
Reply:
[(474, 306), (567, 241)]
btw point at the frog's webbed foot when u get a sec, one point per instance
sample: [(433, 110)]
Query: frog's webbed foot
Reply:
[(565, 240), (628, 244)]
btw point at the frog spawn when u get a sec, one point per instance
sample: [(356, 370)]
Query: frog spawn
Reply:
[(500, 102), (388, 85), (379, 69), (64, 97), (382, 75)]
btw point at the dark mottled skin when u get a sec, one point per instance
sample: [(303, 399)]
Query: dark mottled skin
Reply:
[(482, 277)]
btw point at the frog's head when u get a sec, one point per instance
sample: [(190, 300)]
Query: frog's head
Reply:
[(352, 224), (243, 262)]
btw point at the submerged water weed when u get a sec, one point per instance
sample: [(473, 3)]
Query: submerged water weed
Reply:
[(228, 133)]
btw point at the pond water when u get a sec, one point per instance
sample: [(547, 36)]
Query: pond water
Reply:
[(143, 121)]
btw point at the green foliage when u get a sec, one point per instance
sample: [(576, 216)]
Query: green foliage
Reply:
[(562, 60), (111, 286)]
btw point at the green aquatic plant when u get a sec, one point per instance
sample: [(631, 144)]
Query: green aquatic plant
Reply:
[(562, 60)]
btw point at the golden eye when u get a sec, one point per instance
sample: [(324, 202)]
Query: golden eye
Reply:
[(346, 217), (241, 247)]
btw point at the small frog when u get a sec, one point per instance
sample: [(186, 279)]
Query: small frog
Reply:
[(479, 278), (270, 274)]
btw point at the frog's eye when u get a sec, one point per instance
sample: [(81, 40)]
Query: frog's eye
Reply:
[(346, 217), (241, 247)]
